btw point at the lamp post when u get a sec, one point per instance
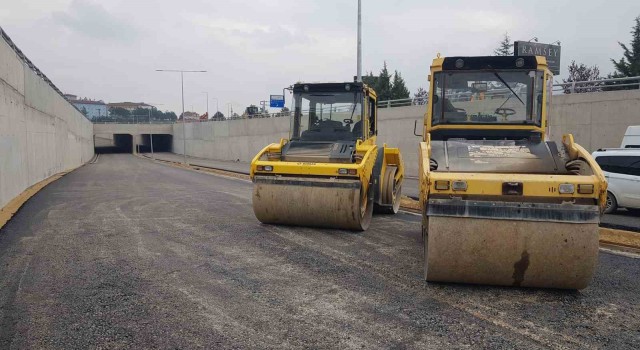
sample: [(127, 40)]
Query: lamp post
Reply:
[(359, 68), (229, 110), (184, 132)]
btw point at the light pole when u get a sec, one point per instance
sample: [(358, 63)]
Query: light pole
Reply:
[(359, 41), (184, 132), (229, 110)]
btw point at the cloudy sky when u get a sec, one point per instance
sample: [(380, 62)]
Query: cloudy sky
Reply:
[(109, 49)]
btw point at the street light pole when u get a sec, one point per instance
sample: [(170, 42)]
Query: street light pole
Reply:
[(359, 41), (184, 132)]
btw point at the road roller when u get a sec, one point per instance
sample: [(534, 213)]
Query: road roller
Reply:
[(330, 172), (503, 204)]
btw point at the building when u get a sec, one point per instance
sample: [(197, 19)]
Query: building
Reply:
[(130, 106), (190, 117), (91, 108)]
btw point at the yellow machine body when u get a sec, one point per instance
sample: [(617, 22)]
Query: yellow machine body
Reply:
[(501, 204), (331, 172)]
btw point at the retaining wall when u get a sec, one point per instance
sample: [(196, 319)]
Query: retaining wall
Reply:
[(41, 134)]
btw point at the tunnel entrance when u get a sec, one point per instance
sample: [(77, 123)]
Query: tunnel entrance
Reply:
[(160, 142), (122, 143)]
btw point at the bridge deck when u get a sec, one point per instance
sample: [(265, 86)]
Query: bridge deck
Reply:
[(131, 253)]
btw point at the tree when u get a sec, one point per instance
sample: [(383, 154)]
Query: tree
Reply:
[(218, 116), (505, 48), (629, 64), (119, 112), (420, 97), (583, 73), (370, 80), (383, 84), (398, 88), (85, 112)]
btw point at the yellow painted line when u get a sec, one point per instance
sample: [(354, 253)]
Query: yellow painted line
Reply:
[(620, 238), (7, 212)]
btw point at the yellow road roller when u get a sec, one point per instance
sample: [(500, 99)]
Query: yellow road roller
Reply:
[(501, 203), (330, 173)]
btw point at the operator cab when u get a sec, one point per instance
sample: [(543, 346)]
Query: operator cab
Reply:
[(328, 121), (488, 98)]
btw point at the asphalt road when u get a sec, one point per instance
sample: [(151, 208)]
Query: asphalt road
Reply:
[(622, 219), (128, 253)]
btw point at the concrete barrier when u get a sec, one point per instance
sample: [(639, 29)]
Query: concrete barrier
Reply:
[(41, 134), (596, 119)]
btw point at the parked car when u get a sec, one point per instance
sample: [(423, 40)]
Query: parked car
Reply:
[(631, 137), (621, 167)]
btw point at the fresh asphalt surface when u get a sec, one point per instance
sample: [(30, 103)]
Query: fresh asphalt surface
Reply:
[(622, 219), (128, 253)]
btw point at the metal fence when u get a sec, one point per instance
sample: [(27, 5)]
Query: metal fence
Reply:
[(596, 85)]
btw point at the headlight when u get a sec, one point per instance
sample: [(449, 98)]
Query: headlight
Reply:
[(567, 188), (343, 171), (442, 185), (268, 168), (459, 186)]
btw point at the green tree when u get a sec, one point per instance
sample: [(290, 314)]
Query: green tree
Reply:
[(84, 111), (370, 80), (383, 84), (398, 88), (505, 48), (581, 72), (629, 64), (119, 112), (420, 97)]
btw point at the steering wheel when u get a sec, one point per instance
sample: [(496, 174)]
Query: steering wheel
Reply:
[(505, 112), (348, 121)]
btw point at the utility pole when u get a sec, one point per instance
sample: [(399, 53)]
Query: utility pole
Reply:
[(359, 41), (184, 132)]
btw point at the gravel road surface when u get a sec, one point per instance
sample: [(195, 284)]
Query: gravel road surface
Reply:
[(128, 253)]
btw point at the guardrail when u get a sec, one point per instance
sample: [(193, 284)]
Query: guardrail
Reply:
[(596, 85)]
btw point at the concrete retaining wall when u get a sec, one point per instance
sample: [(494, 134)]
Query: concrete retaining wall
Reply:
[(596, 119), (41, 134)]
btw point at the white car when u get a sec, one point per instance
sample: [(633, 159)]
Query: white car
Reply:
[(621, 167)]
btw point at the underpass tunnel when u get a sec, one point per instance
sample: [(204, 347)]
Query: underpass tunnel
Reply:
[(118, 143), (160, 143)]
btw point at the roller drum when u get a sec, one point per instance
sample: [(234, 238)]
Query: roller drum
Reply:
[(315, 202), (517, 253)]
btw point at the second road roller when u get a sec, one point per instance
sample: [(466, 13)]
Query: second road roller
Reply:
[(502, 203), (330, 172)]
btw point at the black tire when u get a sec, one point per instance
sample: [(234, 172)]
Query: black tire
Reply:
[(612, 203)]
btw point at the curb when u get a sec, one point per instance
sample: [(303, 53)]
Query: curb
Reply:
[(620, 238), (9, 210)]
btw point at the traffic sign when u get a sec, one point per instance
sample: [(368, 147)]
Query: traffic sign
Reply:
[(276, 101)]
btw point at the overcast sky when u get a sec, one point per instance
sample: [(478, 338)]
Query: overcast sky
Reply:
[(109, 49)]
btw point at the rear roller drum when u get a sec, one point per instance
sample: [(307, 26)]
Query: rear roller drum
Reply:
[(391, 192)]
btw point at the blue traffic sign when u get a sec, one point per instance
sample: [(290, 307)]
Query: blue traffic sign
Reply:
[(276, 101)]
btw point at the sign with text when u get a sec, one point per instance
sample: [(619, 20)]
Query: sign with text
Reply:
[(276, 101), (551, 52)]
